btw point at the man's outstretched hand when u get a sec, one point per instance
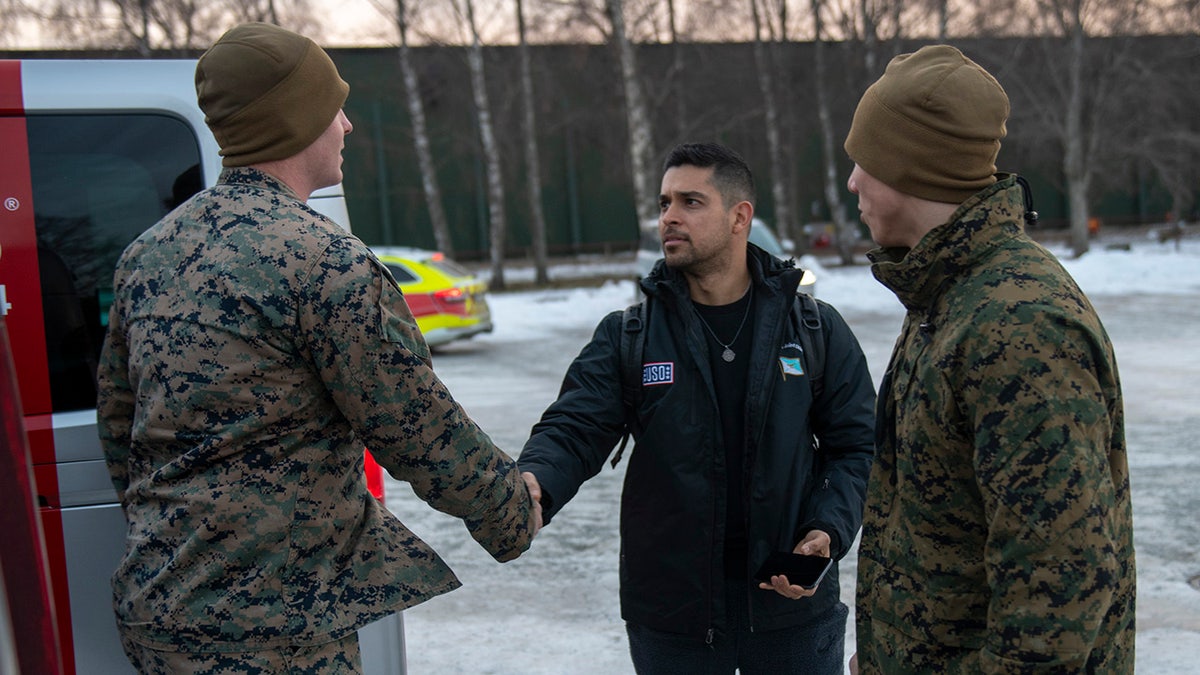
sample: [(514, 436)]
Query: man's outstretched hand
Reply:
[(535, 494)]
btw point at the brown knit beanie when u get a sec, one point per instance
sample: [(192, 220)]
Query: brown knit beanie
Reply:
[(267, 93), (931, 126)]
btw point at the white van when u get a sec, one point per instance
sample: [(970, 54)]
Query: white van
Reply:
[(93, 153)]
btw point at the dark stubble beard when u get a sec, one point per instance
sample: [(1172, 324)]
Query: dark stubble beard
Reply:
[(694, 265)]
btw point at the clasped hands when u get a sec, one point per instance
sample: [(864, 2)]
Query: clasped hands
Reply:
[(535, 495)]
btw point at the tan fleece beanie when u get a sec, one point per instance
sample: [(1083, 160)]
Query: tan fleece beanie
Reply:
[(267, 93), (931, 126)]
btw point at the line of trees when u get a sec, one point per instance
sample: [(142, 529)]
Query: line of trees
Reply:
[(1103, 91)]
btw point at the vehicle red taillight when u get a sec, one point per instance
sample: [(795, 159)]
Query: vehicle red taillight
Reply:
[(452, 301), (451, 295), (421, 304)]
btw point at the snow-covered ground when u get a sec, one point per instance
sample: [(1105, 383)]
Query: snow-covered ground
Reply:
[(555, 610)]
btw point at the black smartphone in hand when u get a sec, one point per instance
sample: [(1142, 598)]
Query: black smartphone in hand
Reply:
[(805, 571)]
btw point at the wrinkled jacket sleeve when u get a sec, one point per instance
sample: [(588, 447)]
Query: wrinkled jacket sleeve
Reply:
[(372, 358), (1043, 428), (579, 430), (843, 420), (115, 403)]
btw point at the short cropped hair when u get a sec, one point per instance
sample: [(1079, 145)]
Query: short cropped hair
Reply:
[(731, 174)]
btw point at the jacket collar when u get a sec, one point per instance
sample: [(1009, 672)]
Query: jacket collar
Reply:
[(991, 217), (251, 177)]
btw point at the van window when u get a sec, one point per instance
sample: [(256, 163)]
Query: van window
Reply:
[(98, 182)]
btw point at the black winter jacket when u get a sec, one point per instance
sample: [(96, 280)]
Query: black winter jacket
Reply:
[(673, 503)]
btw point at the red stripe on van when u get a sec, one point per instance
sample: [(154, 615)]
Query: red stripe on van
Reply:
[(25, 568), (56, 558), (40, 430), (19, 269), (11, 100), (45, 482)]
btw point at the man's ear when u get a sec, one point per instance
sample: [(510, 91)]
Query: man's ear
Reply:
[(743, 214)]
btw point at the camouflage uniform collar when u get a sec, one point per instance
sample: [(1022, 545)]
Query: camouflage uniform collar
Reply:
[(251, 177), (983, 222)]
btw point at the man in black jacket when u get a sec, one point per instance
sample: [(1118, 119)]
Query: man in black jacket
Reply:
[(734, 459)]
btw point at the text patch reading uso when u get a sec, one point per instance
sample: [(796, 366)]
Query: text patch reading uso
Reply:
[(658, 373)]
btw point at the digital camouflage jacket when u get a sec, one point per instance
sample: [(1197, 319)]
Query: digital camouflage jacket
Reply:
[(254, 348), (998, 531)]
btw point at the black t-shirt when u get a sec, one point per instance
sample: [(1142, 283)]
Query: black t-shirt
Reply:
[(732, 322)]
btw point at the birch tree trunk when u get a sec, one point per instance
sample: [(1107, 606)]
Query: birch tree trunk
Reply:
[(846, 231), (1095, 90), (1075, 165), (787, 126), (495, 182), (416, 112), (870, 40), (762, 65), (641, 135), (533, 177), (780, 73), (681, 116)]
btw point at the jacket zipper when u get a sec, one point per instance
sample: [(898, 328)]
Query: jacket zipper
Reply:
[(755, 439)]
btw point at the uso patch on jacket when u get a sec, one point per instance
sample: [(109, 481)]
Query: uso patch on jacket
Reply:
[(658, 373)]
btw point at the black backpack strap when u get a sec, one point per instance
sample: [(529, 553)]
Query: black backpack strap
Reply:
[(807, 316), (633, 323)]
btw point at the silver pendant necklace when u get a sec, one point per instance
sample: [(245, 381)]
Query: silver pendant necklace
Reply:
[(728, 355)]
